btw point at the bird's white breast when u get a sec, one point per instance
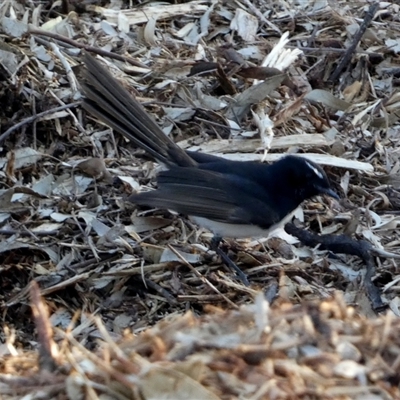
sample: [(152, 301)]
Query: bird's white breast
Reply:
[(238, 231)]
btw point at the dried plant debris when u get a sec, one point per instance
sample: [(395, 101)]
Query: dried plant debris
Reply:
[(248, 80), (321, 350)]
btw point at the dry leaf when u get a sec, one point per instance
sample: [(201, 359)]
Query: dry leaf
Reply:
[(245, 24), (95, 168), (162, 383)]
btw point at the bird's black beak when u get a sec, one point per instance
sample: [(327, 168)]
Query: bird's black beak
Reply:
[(329, 192)]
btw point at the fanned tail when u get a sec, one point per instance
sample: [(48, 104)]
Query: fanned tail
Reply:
[(111, 103)]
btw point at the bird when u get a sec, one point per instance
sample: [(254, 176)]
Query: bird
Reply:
[(232, 199)]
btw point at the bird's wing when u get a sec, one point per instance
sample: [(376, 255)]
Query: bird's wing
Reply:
[(208, 194)]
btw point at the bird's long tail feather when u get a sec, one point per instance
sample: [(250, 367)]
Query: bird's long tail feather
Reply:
[(111, 103)]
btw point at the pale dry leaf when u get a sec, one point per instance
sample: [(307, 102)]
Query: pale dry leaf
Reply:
[(348, 272), (251, 52), (8, 61), (206, 101), (99, 227), (13, 27), (132, 182), (168, 384), (108, 29), (4, 216), (89, 217), (348, 351), (23, 157), (393, 45), (344, 182), (121, 322), (61, 317), (149, 33), (349, 369), (59, 217), (168, 255), (184, 31), (102, 282), (123, 23), (146, 224), (66, 184), (179, 114), (374, 239), (40, 52), (44, 185), (253, 95), (17, 245), (75, 386), (47, 227), (328, 99), (111, 235), (245, 24), (152, 253), (364, 112), (394, 306), (205, 21), (50, 24)]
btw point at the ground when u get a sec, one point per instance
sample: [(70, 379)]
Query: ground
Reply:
[(101, 298)]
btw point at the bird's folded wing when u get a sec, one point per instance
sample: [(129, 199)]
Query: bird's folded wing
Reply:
[(207, 194)]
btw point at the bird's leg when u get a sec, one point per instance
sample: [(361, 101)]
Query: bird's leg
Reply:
[(214, 245)]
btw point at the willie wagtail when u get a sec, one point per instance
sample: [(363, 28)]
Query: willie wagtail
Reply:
[(230, 198)]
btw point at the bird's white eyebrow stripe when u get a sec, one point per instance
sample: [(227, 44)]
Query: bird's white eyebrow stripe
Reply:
[(318, 173)]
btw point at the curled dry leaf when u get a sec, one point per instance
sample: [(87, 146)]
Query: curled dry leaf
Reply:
[(328, 99), (95, 168), (253, 95)]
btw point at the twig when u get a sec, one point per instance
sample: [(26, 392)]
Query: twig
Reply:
[(47, 347), (344, 245), (228, 128), (32, 118), (91, 49), (72, 115), (331, 50), (34, 125), (357, 37), (70, 74), (261, 16), (204, 279), (160, 290)]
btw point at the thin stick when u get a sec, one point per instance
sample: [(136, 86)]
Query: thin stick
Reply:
[(32, 118), (204, 279), (91, 49), (357, 37)]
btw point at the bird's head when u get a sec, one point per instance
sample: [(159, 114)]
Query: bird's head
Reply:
[(303, 178)]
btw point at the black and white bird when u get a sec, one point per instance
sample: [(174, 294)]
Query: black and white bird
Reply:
[(230, 198)]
